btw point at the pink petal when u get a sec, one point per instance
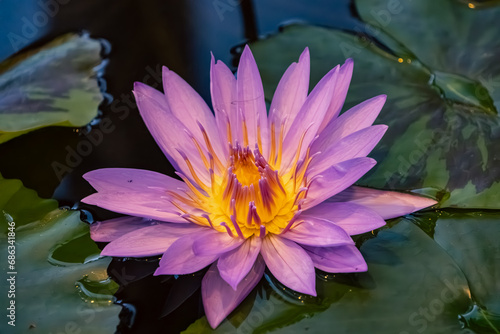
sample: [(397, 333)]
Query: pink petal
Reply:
[(317, 232), (339, 259), (289, 263), (109, 230), (308, 118), (358, 117), (388, 204), (180, 259), (219, 299), (355, 145), (188, 106), (235, 265), (250, 101), (148, 241), (150, 205), (335, 179), (291, 93), (223, 90), (339, 93), (353, 218), (215, 243), (156, 113), (131, 180)]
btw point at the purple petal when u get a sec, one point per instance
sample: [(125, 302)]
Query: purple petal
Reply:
[(180, 258), (355, 145), (335, 179), (308, 118), (358, 117), (353, 218), (388, 204), (148, 241), (171, 138), (339, 93), (289, 263), (219, 299), (317, 232), (291, 93), (131, 180), (235, 265), (109, 230), (140, 204), (339, 259), (215, 243), (223, 90), (188, 106), (250, 102)]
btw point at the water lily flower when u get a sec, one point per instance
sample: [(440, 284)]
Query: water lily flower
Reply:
[(258, 189)]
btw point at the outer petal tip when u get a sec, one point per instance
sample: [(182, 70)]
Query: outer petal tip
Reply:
[(157, 272), (247, 55), (349, 62), (139, 87), (424, 202), (383, 128), (88, 200), (106, 251), (219, 299), (304, 56)]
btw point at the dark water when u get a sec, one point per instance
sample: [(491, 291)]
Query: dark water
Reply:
[(143, 37)]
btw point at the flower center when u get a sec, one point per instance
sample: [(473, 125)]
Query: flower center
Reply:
[(250, 197), (244, 167)]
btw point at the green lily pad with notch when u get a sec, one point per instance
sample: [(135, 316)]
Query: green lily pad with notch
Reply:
[(471, 239), (61, 283), (412, 286), (56, 84), (438, 63)]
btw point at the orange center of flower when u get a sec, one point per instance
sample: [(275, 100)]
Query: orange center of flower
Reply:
[(251, 197)]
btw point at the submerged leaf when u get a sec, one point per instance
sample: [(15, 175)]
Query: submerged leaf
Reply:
[(56, 84)]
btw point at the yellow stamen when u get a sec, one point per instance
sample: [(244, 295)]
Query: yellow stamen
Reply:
[(200, 151), (193, 173)]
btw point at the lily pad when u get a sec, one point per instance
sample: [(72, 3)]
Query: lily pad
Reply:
[(57, 280), (471, 239), (21, 204), (412, 286), (56, 84), (443, 87)]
